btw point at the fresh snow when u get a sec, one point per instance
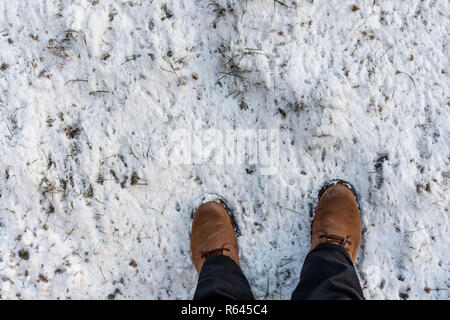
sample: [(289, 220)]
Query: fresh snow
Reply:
[(96, 192)]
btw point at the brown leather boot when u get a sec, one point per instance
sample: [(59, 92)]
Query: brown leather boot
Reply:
[(337, 219), (212, 234)]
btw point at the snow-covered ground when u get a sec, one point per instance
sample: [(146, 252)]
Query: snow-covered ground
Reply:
[(100, 99)]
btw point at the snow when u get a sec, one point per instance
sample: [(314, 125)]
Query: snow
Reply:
[(101, 99)]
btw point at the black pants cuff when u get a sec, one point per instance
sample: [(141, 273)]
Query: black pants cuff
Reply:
[(222, 279), (328, 274)]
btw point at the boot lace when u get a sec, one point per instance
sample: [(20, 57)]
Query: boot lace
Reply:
[(337, 240), (214, 252)]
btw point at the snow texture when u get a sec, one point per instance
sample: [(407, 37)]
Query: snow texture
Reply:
[(96, 197)]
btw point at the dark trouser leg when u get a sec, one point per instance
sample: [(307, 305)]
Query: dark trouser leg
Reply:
[(222, 279), (328, 274)]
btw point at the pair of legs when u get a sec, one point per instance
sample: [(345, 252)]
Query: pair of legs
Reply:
[(327, 273)]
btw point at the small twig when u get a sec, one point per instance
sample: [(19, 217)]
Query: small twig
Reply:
[(133, 154), (230, 74), (99, 201), (68, 235), (104, 278), (89, 192), (383, 54), (288, 209), (234, 93), (70, 31), (393, 92), (173, 69), (10, 132), (359, 26), (415, 230), (438, 289), (76, 80), (98, 91), (280, 3), (285, 264), (356, 47), (132, 58), (147, 154), (268, 286), (398, 71)]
